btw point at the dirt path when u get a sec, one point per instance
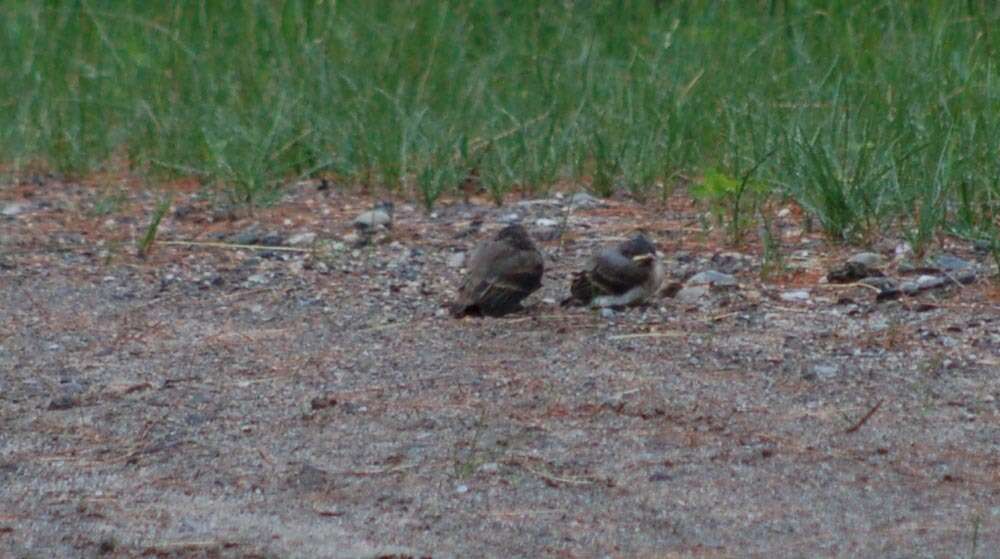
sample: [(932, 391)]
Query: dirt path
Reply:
[(234, 403)]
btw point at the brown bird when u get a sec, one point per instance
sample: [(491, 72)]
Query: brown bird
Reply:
[(502, 272), (627, 274)]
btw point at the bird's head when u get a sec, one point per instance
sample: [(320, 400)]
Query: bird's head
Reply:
[(639, 248), (517, 236)]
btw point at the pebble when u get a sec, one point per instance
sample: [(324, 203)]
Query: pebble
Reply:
[(691, 294), (11, 210), (456, 260), (462, 488), (867, 259), (546, 222), (490, 468), (711, 277), (825, 371), (796, 296), (510, 218), (257, 278), (607, 312), (305, 238)]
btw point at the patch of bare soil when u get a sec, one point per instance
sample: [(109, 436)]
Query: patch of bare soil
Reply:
[(314, 401)]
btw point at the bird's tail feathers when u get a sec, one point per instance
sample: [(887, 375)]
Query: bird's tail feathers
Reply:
[(581, 290)]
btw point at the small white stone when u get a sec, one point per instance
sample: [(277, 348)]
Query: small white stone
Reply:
[(796, 296), (372, 219), (11, 210), (546, 222), (304, 238), (462, 488)]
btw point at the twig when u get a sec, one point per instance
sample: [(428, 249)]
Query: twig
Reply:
[(671, 334), (233, 246), (719, 317), (849, 286), (366, 473), (551, 478), (863, 420)]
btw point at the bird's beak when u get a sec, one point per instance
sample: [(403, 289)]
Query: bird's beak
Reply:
[(643, 257)]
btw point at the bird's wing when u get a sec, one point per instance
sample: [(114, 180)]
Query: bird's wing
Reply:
[(615, 274), (500, 275)]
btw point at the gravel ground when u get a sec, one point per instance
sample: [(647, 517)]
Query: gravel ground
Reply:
[(211, 401)]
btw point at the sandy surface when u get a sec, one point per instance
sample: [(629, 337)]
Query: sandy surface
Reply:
[(220, 402)]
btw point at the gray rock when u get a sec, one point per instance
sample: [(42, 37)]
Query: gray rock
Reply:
[(546, 222), (692, 294), (456, 260), (948, 263), (888, 288), (867, 259), (373, 219), (968, 276), (305, 238), (880, 282), (711, 277), (584, 200), (249, 236), (797, 296), (510, 218), (11, 210), (257, 278), (909, 288), (731, 262), (607, 312), (906, 266), (272, 239), (930, 282)]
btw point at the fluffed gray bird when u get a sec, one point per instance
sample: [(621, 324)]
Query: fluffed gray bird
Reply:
[(501, 273), (626, 274)]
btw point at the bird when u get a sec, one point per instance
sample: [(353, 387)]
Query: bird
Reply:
[(619, 276), (501, 273)]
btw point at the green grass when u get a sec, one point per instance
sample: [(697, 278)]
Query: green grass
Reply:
[(879, 115)]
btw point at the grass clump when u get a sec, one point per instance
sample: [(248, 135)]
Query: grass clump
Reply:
[(879, 114)]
